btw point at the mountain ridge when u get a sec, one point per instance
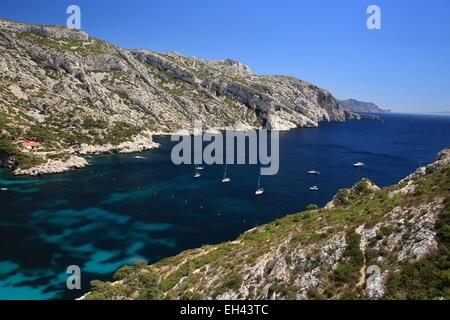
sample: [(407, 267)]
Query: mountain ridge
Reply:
[(72, 93)]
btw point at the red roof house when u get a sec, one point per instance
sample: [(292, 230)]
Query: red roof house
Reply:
[(31, 144)]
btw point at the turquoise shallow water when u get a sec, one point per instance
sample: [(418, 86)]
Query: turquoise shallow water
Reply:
[(121, 209)]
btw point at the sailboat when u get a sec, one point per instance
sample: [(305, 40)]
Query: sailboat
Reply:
[(259, 190), (225, 177), (359, 164), (197, 174)]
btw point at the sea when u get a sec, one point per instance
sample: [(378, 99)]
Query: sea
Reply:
[(122, 209)]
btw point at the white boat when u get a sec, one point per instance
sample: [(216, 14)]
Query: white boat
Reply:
[(197, 174), (314, 188), (313, 172), (259, 190), (200, 168), (359, 164), (225, 177), (140, 158), (4, 189)]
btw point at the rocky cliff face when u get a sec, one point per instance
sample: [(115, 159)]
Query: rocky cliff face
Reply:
[(54, 70), (353, 105), (368, 243), (64, 88)]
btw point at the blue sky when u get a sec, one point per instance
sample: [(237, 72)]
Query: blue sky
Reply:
[(405, 66)]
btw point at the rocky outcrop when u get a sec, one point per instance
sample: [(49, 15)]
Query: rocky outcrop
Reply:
[(362, 246), (353, 105), (54, 166), (363, 188), (43, 31), (138, 143)]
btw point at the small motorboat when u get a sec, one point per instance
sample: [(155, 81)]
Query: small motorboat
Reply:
[(359, 165), (313, 172), (197, 174), (200, 168), (259, 190), (3, 189), (225, 177), (314, 188), (140, 158)]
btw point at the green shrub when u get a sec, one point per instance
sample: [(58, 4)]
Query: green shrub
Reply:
[(121, 132), (342, 197), (384, 231), (350, 295), (7, 147), (371, 255), (148, 281), (362, 187), (312, 207), (91, 123), (348, 269), (233, 281), (123, 273), (41, 133), (26, 161)]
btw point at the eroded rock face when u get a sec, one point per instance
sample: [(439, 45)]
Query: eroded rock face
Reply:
[(282, 103), (139, 143)]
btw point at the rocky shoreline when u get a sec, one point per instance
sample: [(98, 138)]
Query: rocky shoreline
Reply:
[(139, 143), (53, 167)]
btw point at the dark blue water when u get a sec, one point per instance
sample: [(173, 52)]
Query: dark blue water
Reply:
[(121, 209)]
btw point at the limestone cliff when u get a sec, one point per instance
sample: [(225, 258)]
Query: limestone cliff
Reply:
[(64, 88)]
